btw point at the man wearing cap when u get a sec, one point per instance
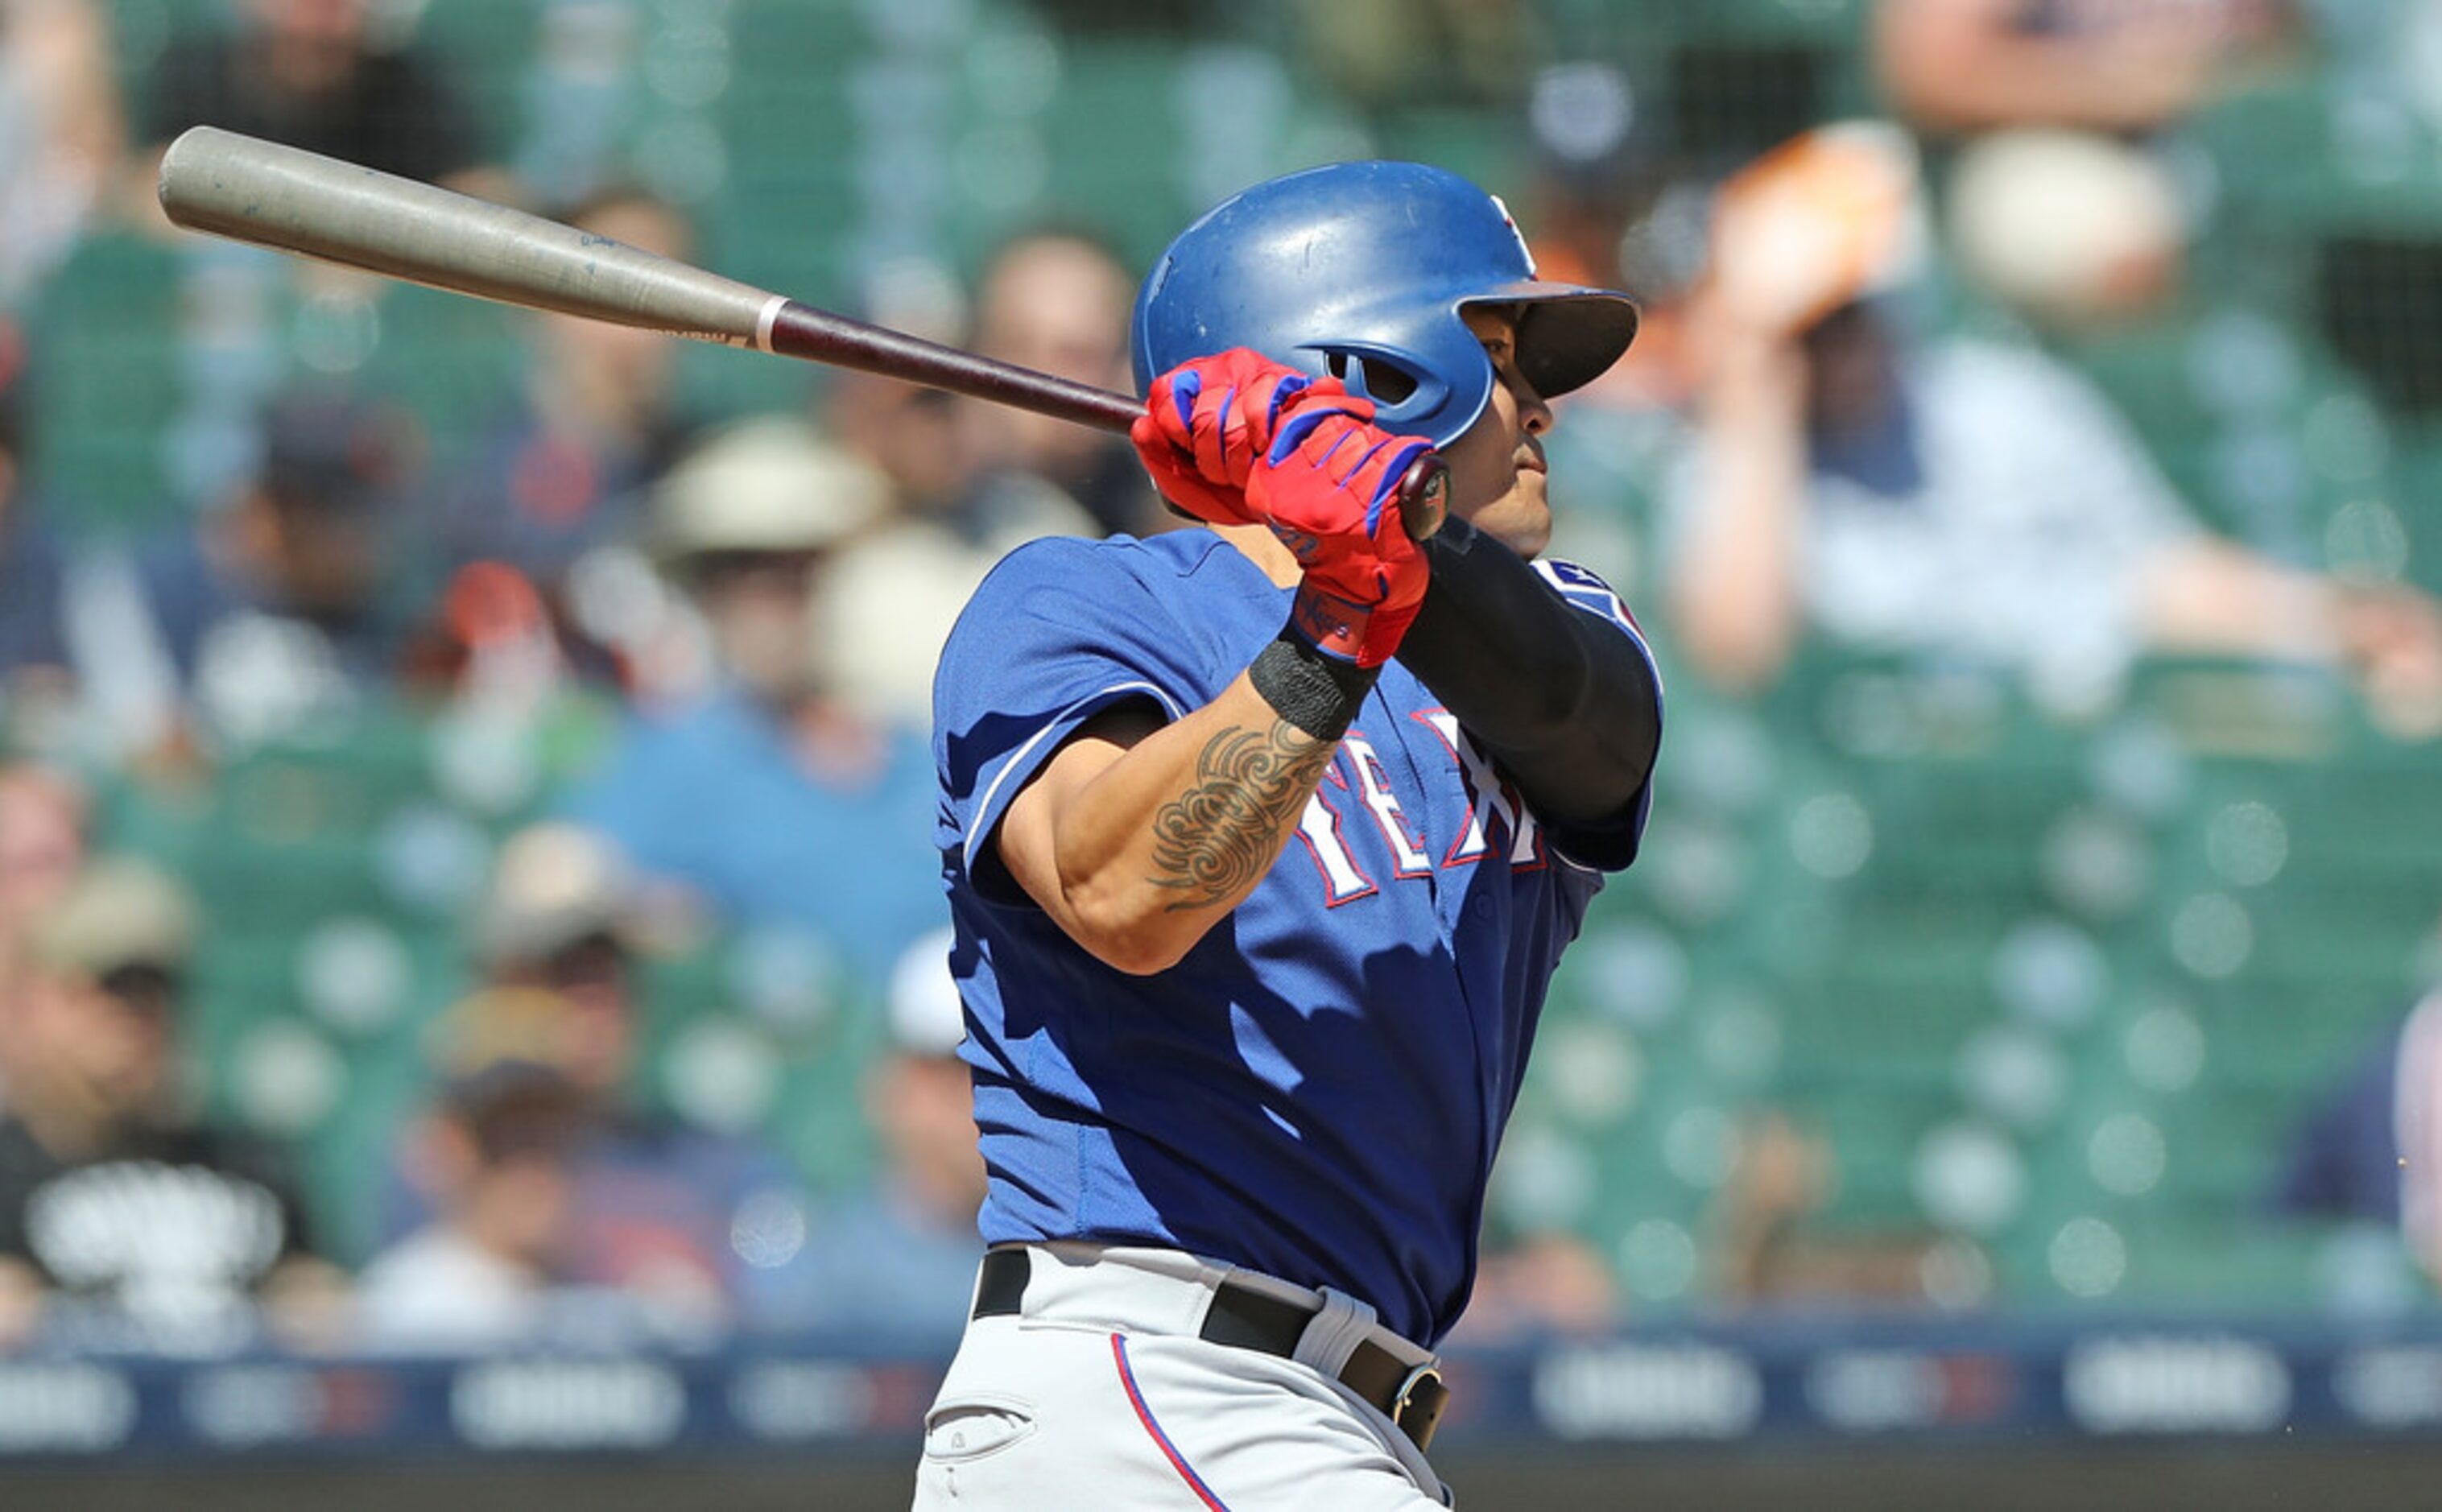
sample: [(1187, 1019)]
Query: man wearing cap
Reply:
[(767, 794), (559, 481), (645, 1204), (974, 481), (499, 1150), (112, 1192)]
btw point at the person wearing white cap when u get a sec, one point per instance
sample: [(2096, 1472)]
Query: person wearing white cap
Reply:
[(769, 795)]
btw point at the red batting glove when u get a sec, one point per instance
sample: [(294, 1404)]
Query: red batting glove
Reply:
[(1206, 425), (1329, 488)]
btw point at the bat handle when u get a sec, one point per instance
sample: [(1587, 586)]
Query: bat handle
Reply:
[(1423, 496)]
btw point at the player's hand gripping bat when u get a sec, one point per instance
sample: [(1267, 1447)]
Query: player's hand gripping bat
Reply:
[(295, 201)]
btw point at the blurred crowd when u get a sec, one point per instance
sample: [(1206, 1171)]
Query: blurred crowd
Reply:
[(747, 607), (1808, 447)]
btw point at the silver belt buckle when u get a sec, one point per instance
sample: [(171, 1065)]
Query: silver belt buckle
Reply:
[(1408, 1384)]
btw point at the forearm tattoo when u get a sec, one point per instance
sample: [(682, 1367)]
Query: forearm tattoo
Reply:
[(1251, 787)]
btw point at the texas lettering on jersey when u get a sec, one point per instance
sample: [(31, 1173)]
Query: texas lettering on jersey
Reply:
[(1355, 785), (1356, 788)]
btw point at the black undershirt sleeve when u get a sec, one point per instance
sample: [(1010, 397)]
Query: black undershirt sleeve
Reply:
[(1567, 706)]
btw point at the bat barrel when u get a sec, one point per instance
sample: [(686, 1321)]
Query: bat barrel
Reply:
[(296, 201)]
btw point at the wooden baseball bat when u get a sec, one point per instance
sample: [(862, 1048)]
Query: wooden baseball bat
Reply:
[(253, 190)]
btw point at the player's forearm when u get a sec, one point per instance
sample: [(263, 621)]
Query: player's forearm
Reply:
[(1566, 704), (1165, 839)]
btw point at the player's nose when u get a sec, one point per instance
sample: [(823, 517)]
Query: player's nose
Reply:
[(1534, 411)]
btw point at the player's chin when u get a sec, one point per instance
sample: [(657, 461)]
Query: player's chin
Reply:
[(1521, 519)]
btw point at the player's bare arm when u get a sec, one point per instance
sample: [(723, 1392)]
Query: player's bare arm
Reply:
[(1138, 835), (1217, 839), (1136, 840)]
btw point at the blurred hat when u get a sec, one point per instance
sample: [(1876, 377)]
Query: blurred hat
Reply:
[(497, 1027), (516, 1108), (926, 1017), (118, 913), (503, 1057), (2064, 224), (513, 1105), (552, 886), (768, 484), (1828, 218), (333, 453)]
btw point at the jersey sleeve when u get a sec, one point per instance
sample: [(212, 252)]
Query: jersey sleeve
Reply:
[(1613, 846), (1059, 632)]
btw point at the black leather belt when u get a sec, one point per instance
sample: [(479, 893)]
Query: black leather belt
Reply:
[(1246, 1318)]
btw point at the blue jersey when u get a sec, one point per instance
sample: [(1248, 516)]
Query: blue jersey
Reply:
[(1316, 1090)]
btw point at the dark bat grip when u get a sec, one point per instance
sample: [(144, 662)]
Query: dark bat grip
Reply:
[(803, 331)]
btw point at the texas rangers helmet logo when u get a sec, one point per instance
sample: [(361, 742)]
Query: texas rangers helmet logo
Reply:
[(1519, 237)]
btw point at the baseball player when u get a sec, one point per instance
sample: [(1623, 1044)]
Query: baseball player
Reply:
[(1261, 843)]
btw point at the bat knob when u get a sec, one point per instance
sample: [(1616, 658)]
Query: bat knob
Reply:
[(1423, 496)]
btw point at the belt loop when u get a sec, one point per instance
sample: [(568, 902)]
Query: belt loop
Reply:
[(1333, 1334), (1000, 1284)]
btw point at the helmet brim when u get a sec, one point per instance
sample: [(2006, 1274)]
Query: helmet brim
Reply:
[(1568, 335)]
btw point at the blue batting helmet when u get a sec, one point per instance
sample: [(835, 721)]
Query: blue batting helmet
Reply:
[(1360, 271)]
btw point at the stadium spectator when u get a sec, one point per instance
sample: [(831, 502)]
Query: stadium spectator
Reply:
[(1768, 1247), (564, 477), (500, 1151), (1960, 498), (898, 1255), (62, 134), (769, 795), (297, 600), (1058, 301), (673, 1219), (2076, 231), (114, 1194), (964, 481), (2119, 66), (2054, 203), (329, 76)]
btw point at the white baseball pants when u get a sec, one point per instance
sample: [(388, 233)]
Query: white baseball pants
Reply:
[(1098, 1393)]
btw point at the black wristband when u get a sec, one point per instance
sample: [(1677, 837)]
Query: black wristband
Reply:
[(1317, 693)]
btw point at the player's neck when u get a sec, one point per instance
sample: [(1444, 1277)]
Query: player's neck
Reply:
[(1265, 550)]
